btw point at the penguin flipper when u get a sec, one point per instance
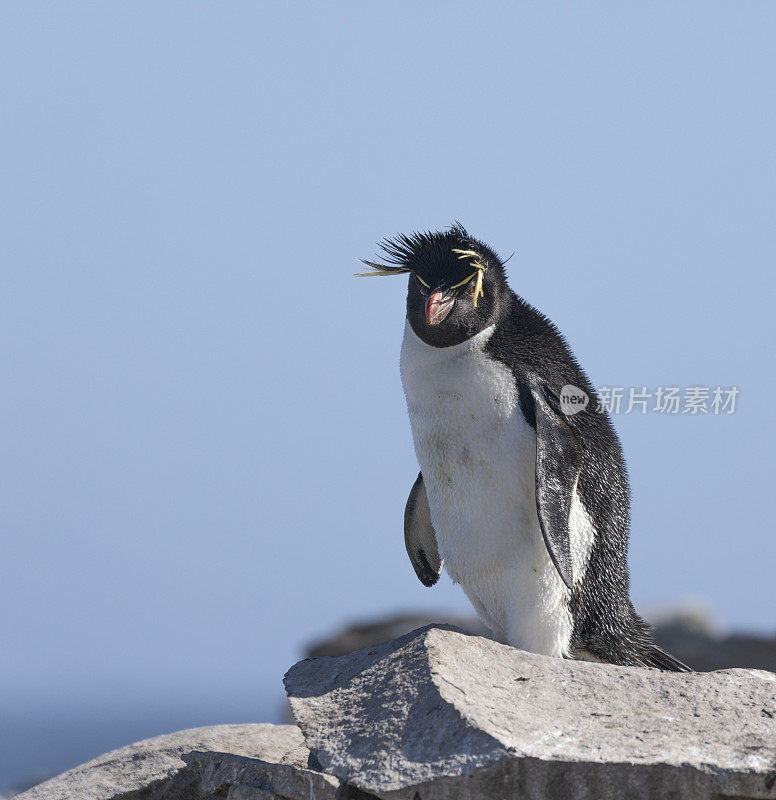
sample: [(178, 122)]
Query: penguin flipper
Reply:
[(419, 536), (558, 463)]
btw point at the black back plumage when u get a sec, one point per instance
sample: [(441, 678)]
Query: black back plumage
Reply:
[(605, 621)]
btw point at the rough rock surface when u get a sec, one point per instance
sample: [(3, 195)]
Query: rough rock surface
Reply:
[(439, 714), (154, 768), (228, 775)]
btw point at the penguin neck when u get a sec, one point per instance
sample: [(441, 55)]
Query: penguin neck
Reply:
[(413, 347)]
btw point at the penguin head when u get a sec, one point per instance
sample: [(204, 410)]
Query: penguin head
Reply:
[(455, 287)]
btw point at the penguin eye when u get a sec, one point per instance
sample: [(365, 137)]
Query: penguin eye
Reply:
[(470, 290), (422, 289)]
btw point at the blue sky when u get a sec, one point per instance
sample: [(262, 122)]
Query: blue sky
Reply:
[(205, 449)]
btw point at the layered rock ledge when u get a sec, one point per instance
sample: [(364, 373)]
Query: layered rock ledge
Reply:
[(155, 769), (440, 715)]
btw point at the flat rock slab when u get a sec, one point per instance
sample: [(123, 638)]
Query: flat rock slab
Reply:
[(440, 714), (153, 769)]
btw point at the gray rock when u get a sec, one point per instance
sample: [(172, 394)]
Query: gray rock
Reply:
[(439, 714), (241, 792), (227, 775), (154, 768)]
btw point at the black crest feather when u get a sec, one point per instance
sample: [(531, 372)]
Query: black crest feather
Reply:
[(434, 257)]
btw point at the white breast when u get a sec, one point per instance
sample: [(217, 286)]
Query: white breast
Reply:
[(478, 455)]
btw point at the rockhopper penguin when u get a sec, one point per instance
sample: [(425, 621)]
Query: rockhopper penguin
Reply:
[(527, 507)]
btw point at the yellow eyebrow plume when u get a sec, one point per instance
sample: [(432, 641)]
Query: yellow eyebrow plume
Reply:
[(479, 268), (380, 269), (373, 268), (465, 280)]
